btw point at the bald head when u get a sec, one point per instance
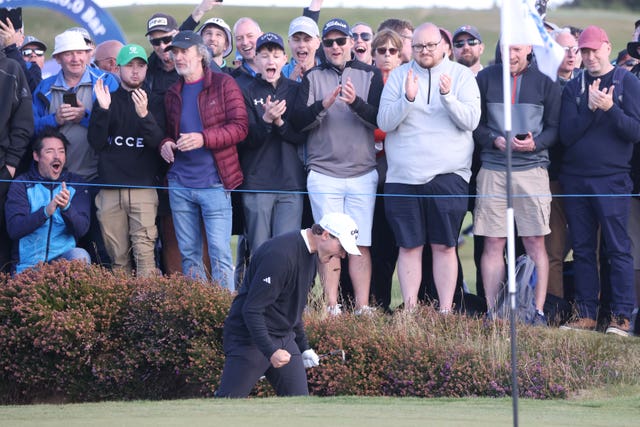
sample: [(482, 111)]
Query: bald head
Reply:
[(106, 54), (428, 47)]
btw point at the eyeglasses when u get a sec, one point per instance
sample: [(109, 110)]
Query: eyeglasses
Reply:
[(459, 44), (629, 63), (29, 52), (572, 49), (161, 40), (340, 41), (383, 51), (364, 36), (429, 46)]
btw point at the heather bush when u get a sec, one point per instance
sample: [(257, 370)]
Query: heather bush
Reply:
[(69, 332)]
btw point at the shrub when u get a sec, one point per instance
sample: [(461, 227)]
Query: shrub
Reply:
[(69, 332)]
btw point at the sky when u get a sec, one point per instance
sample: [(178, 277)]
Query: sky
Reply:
[(457, 4)]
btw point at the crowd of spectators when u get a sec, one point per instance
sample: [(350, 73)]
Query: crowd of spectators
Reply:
[(150, 162)]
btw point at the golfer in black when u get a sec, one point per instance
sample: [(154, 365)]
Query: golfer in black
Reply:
[(264, 334)]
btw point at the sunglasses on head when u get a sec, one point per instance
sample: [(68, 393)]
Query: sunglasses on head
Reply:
[(340, 41), (471, 42), (364, 36), (383, 51), (160, 40), (29, 52)]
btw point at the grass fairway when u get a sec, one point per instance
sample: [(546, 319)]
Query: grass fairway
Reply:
[(619, 407)]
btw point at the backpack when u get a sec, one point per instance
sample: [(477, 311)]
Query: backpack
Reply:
[(618, 90), (526, 279)]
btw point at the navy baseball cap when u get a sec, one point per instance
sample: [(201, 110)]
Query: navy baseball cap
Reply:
[(269, 38), (336, 24), (468, 29), (184, 40)]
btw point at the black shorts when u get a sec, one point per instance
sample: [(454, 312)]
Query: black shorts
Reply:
[(434, 217)]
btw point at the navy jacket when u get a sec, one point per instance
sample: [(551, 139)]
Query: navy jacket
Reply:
[(599, 143)]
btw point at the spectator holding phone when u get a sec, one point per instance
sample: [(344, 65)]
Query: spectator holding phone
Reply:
[(536, 114), (64, 101)]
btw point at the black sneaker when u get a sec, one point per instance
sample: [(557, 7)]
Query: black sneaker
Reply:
[(619, 325), (540, 320)]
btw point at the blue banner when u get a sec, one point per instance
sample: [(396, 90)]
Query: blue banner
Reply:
[(86, 13)]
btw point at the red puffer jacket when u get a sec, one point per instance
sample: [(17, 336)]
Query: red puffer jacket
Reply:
[(224, 119)]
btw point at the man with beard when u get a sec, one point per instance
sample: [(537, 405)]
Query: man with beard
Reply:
[(216, 35), (45, 217), (126, 137), (468, 47), (206, 119)]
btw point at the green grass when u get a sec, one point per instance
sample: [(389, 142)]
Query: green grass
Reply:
[(611, 407), (45, 24)]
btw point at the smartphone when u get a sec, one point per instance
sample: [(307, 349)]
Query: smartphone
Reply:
[(14, 14), (522, 136), (70, 98)]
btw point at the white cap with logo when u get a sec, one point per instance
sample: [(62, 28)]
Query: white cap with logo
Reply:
[(344, 228)]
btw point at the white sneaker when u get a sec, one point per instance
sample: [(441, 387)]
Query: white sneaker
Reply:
[(365, 310), (336, 310)]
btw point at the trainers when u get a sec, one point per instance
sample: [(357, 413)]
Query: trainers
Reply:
[(365, 310), (581, 324), (335, 310), (540, 320), (619, 325)]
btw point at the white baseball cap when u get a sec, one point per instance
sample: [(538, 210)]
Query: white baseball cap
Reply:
[(345, 229), (304, 24)]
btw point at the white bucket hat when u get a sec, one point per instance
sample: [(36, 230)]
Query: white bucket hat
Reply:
[(219, 22), (69, 40)]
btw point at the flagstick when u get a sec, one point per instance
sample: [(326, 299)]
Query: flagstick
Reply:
[(506, 91)]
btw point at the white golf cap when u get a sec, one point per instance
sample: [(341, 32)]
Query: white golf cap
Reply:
[(304, 24), (69, 40), (344, 228)]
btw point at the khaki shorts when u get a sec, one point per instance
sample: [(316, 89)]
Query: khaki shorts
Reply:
[(531, 203)]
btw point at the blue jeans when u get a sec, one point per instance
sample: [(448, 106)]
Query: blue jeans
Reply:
[(76, 254), (213, 206), (268, 215)]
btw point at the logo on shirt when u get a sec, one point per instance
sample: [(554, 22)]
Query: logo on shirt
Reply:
[(258, 101), (267, 280)]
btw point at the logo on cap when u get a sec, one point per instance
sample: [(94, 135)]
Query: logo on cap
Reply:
[(156, 22)]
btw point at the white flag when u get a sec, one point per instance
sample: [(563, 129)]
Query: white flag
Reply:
[(527, 28)]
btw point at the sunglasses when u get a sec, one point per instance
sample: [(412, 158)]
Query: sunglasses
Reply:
[(364, 36), (29, 52), (383, 51), (161, 40), (340, 41), (629, 63), (471, 42)]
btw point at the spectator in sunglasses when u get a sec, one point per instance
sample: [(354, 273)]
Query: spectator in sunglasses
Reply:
[(468, 47), (338, 104), (362, 36), (625, 60), (33, 51)]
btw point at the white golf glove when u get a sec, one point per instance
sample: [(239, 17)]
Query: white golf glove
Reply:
[(310, 359)]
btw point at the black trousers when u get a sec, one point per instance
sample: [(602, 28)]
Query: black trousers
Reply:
[(244, 365)]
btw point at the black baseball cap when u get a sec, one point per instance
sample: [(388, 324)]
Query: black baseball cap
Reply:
[(184, 40)]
